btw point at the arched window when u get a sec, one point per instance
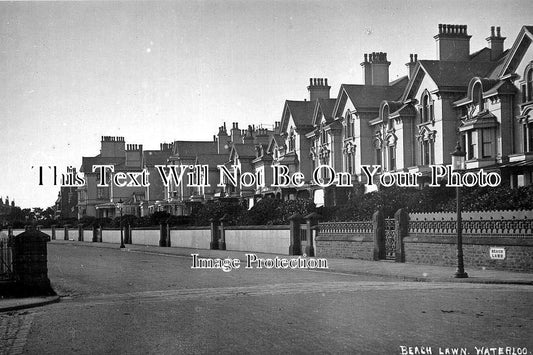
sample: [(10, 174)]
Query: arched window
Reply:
[(349, 122), (426, 110), (292, 141), (477, 96), (529, 84)]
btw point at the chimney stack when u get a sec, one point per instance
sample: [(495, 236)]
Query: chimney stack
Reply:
[(495, 43), (318, 88), (453, 43), (413, 58), (236, 134), (376, 69), (222, 139)]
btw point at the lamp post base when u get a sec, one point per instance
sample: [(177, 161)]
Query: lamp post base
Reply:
[(460, 275)]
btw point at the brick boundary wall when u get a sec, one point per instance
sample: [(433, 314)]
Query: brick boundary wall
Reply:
[(345, 240), (442, 250), (431, 238)]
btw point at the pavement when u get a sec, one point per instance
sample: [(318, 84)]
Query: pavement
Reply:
[(402, 271)]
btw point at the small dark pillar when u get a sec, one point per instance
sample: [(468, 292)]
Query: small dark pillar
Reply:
[(378, 224), (214, 234), (80, 232), (162, 234), (222, 233), (295, 248), (100, 233), (168, 234), (95, 234), (127, 234), (401, 229), (53, 231), (311, 221), (30, 264), (66, 231), (10, 231)]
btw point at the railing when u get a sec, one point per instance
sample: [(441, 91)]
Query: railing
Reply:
[(346, 227), (480, 227), (6, 258)]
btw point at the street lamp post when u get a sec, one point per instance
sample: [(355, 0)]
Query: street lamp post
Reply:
[(120, 205), (458, 164)]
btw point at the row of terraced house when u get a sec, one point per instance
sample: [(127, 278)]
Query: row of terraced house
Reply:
[(482, 99)]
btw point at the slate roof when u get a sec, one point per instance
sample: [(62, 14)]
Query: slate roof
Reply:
[(301, 112), (155, 157), (325, 106), (364, 96), (455, 74), (212, 159), (190, 149), (244, 150), (88, 162)]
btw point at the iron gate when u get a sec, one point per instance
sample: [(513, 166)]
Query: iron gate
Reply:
[(6, 258), (390, 239)]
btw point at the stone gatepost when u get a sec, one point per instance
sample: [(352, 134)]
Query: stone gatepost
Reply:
[(53, 231), (127, 234), (168, 233), (295, 248), (95, 234), (30, 264), (66, 231), (311, 221), (80, 232), (222, 232), (401, 218), (378, 225), (214, 234), (100, 233), (162, 234)]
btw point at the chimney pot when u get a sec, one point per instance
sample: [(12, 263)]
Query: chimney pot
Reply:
[(498, 31), (326, 81), (492, 31)]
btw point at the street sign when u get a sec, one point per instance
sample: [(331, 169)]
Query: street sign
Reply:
[(497, 253)]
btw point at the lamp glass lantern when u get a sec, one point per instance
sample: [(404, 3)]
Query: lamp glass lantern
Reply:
[(458, 158)]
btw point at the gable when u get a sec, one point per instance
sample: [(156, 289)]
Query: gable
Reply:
[(519, 53)]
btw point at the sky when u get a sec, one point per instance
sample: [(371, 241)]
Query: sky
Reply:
[(157, 72)]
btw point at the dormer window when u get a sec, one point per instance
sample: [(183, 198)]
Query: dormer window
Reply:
[(426, 110)]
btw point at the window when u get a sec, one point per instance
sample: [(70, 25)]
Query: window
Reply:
[(392, 158), (323, 135), (349, 163), (426, 111), (292, 141), (102, 192), (477, 96), (529, 84), (471, 138), (378, 156), (527, 129), (487, 147), (425, 153), (349, 126)]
